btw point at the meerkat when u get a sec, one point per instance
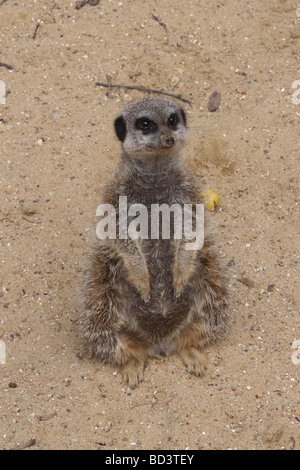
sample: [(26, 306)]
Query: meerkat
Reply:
[(144, 298)]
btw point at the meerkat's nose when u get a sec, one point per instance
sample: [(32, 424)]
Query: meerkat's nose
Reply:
[(167, 141)]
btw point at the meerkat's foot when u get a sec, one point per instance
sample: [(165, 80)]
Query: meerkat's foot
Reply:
[(133, 373), (194, 360)]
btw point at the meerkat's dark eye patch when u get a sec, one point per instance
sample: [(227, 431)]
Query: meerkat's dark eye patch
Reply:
[(146, 125), (173, 120), (120, 128)]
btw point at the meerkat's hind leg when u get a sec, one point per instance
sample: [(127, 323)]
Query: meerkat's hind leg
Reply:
[(133, 373), (190, 346), (132, 357), (194, 360)]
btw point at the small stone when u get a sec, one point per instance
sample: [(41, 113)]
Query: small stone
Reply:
[(246, 281), (214, 101), (12, 385), (295, 31), (59, 113), (108, 427), (80, 4)]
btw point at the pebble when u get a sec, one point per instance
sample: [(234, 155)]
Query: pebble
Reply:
[(214, 101), (295, 31), (82, 3), (246, 281), (59, 113)]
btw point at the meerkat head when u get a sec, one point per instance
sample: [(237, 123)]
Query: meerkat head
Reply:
[(151, 127)]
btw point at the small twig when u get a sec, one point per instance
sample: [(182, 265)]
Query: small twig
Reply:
[(142, 88), (30, 443), (98, 443), (162, 24), (109, 78), (1, 2), (8, 67), (36, 30), (31, 221), (293, 443)]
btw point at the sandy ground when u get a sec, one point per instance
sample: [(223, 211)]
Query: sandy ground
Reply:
[(58, 148)]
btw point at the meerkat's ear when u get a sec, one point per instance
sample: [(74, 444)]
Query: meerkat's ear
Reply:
[(120, 128), (183, 116)]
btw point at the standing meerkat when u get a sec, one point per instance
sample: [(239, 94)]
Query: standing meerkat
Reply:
[(143, 298)]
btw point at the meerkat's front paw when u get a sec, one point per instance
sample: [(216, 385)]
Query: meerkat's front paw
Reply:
[(195, 361), (143, 288), (179, 282), (133, 373)]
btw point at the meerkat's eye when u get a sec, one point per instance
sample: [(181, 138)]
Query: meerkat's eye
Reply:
[(173, 121), (145, 124)]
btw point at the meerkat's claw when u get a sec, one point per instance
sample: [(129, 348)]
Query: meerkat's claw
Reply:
[(195, 361), (143, 288), (133, 373), (178, 290), (178, 286), (145, 297)]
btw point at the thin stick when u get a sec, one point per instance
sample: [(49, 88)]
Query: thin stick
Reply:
[(30, 443), (36, 30), (8, 67), (109, 78), (162, 24), (142, 88), (31, 221)]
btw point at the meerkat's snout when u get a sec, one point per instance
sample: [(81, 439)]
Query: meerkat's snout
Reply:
[(167, 141)]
